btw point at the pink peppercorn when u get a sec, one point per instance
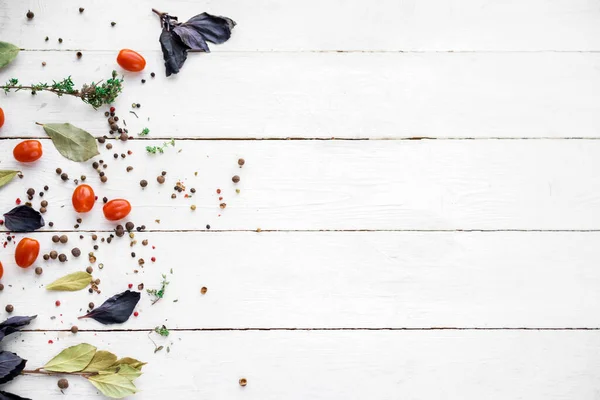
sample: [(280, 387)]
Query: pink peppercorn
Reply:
[(57, 303), (130, 285), (153, 259), (135, 314)]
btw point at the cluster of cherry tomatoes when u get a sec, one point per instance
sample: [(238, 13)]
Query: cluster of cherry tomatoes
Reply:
[(83, 198)]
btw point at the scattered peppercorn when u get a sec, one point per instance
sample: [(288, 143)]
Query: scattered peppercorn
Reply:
[(243, 382), (64, 176), (1, 286), (152, 74), (76, 252), (38, 270), (235, 179), (79, 54), (81, 9), (62, 257), (143, 183), (91, 306), (9, 308), (64, 239), (160, 179), (204, 290), (89, 270), (55, 239), (47, 38), (241, 162), (74, 329), (58, 171), (129, 226), (30, 15), (143, 81), (59, 40), (53, 254), (113, 23), (44, 203), (103, 179), (46, 257), (63, 383)]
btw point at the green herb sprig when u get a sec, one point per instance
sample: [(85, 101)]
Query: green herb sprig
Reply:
[(160, 149), (94, 94), (144, 132), (160, 293)]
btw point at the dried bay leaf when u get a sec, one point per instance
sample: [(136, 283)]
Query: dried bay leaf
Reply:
[(132, 362), (115, 310), (114, 385), (72, 359), (11, 365), (72, 282), (8, 52), (72, 142), (124, 370), (7, 176), (23, 219), (102, 360)]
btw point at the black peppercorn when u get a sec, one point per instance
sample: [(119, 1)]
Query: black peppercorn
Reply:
[(76, 252), (81, 9), (64, 176), (59, 40), (129, 226), (38, 270), (62, 257), (30, 15), (63, 383), (79, 54), (152, 74), (9, 308), (58, 171)]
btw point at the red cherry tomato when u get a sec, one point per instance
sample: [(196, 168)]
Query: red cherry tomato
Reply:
[(83, 198), (1, 271), (116, 209), (131, 61), (1, 117), (28, 151), (27, 252)]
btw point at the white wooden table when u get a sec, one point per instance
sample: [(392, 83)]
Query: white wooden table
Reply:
[(464, 265)]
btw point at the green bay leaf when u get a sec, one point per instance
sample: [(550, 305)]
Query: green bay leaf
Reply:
[(102, 360), (72, 282), (8, 52), (72, 142), (113, 385), (7, 176), (132, 362), (124, 370), (72, 359)]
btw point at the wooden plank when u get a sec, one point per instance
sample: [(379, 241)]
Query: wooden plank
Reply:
[(309, 95), (341, 364), (326, 280), (333, 185), (267, 25)]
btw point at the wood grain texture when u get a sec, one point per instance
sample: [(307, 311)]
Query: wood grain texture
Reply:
[(325, 280), (279, 25), (327, 365), (333, 185), (309, 95)]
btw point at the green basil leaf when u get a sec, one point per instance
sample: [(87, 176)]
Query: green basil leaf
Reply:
[(102, 360), (72, 142), (113, 385), (8, 52), (7, 176), (72, 359), (72, 282)]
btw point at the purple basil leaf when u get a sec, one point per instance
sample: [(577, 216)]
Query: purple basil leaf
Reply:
[(212, 28), (23, 219), (14, 324), (10, 396), (191, 38), (115, 310), (174, 51), (11, 365)]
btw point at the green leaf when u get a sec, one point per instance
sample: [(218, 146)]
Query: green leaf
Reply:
[(72, 142), (102, 360), (131, 362), (113, 385), (124, 370), (72, 282), (72, 359), (8, 52), (7, 176)]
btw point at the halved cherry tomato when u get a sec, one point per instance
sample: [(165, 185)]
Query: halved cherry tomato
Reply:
[(116, 209), (131, 61), (83, 198), (28, 151), (1, 117), (27, 252), (1, 271)]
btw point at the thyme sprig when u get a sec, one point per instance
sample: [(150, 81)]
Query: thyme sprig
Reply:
[(95, 94), (159, 294), (160, 149)]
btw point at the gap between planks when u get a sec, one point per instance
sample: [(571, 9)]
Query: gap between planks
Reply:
[(345, 51), (296, 138), (321, 230), (434, 328)]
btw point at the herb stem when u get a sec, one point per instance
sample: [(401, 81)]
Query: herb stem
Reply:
[(57, 91), (39, 371), (159, 13)]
